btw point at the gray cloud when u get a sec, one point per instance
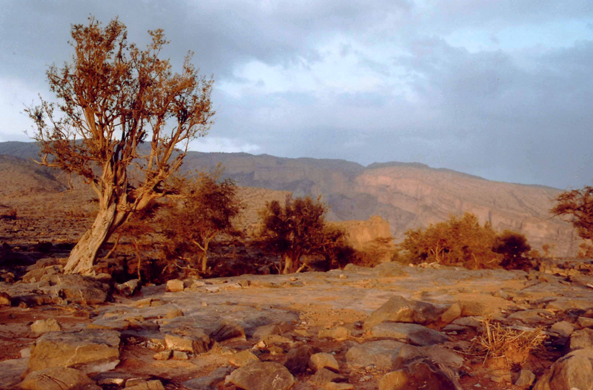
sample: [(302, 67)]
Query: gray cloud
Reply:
[(400, 88)]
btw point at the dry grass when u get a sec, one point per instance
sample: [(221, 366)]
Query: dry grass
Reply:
[(505, 346)]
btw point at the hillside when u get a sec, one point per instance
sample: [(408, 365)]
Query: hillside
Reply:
[(407, 195)]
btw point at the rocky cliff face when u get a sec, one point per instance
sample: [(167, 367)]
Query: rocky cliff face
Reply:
[(406, 195)]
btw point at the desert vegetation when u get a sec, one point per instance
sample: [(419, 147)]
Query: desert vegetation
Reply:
[(113, 97), (464, 241)]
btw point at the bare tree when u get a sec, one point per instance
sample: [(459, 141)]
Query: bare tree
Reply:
[(112, 97)]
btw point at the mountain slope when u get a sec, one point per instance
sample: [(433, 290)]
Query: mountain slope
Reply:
[(407, 195)]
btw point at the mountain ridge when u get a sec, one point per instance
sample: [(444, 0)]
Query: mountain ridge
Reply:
[(408, 195)]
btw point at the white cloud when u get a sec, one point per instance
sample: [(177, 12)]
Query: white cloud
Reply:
[(210, 144)]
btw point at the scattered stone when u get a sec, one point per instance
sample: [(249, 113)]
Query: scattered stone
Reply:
[(526, 378), (268, 330), (277, 340), (228, 330), (242, 358), (529, 316), (87, 350), (207, 382), (179, 355), (57, 378), (581, 339), (297, 359), (472, 322), (399, 309), (396, 380), (408, 333), (563, 328), (585, 322), (479, 308), (382, 354), (80, 289), (199, 343), (324, 360), (129, 288), (175, 285), (339, 334), (262, 376), (452, 313), (163, 355), (44, 326), (5, 299), (572, 371), (324, 376), (109, 323), (174, 313)]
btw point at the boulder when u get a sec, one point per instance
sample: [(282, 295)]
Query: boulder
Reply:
[(129, 288), (323, 360), (5, 299), (198, 343), (581, 339), (395, 380), (400, 309), (407, 333), (382, 354), (525, 378), (243, 358), (323, 377), (228, 330), (44, 326), (572, 371), (209, 381), (262, 376), (339, 333), (297, 359), (175, 285), (562, 328), (87, 350), (452, 313), (58, 378), (585, 322), (80, 289)]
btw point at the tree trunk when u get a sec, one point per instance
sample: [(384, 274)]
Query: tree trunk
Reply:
[(291, 263), (85, 252), (288, 265), (205, 258)]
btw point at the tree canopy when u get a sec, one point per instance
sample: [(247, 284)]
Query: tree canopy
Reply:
[(456, 241), (112, 97), (298, 228), (578, 205), (206, 210)]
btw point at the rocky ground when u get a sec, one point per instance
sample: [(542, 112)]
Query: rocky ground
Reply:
[(389, 327)]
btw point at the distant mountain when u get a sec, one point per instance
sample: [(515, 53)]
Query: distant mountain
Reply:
[(408, 195)]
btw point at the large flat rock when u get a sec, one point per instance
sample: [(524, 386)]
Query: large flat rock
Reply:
[(89, 350)]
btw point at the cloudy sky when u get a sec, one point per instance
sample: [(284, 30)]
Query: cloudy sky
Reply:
[(502, 89)]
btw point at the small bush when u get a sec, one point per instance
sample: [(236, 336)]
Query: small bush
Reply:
[(503, 346)]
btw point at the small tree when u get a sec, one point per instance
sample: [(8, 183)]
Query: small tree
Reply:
[(295, 230), (113, 97), (458, 240), (206, 210), (513, 246), (578, 205)]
